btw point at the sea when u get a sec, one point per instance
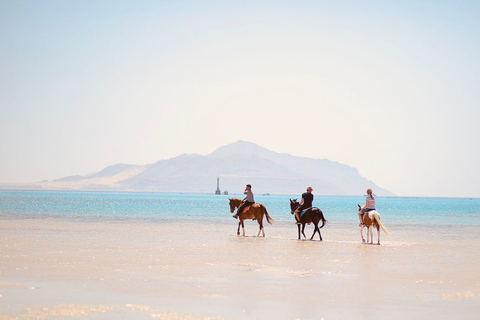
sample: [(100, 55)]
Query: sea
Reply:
[(127, 255), (412, 212)]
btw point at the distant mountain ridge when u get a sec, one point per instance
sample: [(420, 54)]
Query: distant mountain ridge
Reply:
[(236, 164)]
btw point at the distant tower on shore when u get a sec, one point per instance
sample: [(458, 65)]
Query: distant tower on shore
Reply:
[(218, 186)]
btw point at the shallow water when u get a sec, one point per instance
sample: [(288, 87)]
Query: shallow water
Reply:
[(123, 257), (200, 206)]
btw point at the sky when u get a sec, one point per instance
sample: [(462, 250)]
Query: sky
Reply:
[(387, 87)]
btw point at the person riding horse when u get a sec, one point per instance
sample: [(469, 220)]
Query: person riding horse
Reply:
[(369, 206), (307, 200), (248, 201)]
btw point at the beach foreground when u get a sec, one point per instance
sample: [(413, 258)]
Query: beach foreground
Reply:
[(59, 269)]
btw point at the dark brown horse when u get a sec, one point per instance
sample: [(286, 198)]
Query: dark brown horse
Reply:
[(372, 219), (256, 212), (312, 215)]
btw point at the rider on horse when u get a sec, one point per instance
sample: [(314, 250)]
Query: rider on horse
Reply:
[(248, 201), (307, 200), (369, 206)]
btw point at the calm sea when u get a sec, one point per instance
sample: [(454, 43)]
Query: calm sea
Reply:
[(409, 212)]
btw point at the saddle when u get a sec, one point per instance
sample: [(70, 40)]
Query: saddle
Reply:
[(246, 209), (303, 212)]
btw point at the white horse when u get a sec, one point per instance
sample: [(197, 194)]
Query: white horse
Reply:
[(372, 218)]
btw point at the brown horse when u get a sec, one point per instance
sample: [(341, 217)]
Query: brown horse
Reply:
[(256, 212), (372, 219), (313, 214)]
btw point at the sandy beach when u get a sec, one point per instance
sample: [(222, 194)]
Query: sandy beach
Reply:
[(58, 269)]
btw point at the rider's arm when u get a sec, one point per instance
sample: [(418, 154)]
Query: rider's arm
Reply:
[(366, 205), (301, 202)]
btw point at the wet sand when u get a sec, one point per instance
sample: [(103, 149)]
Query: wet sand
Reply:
[(62, 269)]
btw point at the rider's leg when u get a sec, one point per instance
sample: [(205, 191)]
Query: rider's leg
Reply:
[(238, 211), (241, 208), (297, 215)]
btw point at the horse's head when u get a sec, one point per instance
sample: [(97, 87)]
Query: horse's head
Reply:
[(234, 203), (294, 205)]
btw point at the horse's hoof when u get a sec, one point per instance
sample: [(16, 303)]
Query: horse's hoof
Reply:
[(363, 241)]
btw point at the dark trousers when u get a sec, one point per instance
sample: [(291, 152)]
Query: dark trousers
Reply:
[(303, 207), (243, 205)]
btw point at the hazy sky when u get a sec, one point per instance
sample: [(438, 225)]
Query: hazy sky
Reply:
[(388, 87)]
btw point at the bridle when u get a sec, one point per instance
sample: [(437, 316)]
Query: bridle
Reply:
[(233, 207), (294, 202)]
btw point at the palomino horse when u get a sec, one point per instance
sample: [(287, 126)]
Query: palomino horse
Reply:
[(313, 214), (372, 218), (256, 212)]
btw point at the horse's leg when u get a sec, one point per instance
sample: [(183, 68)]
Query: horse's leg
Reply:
[(303, 231), (319, 234), (260, 227), (261, 224), (361, 233), (239, 224), (262, 230), (298, 231), (259, 217), (243, 228), (316, 220), (378, 231), (314, 231)]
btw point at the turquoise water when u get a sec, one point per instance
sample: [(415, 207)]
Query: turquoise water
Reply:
[(214, 208)]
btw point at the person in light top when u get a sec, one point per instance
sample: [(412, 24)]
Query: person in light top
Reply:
[(369, 206), (248, 201)]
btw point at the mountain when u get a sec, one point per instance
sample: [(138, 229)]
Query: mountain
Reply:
[(236, 165)]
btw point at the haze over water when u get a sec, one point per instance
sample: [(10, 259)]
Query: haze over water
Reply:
[(141, 256), (389, 88)]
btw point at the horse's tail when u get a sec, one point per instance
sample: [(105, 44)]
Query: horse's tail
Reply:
[(376, 217), (269, 219), (322, 218)]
